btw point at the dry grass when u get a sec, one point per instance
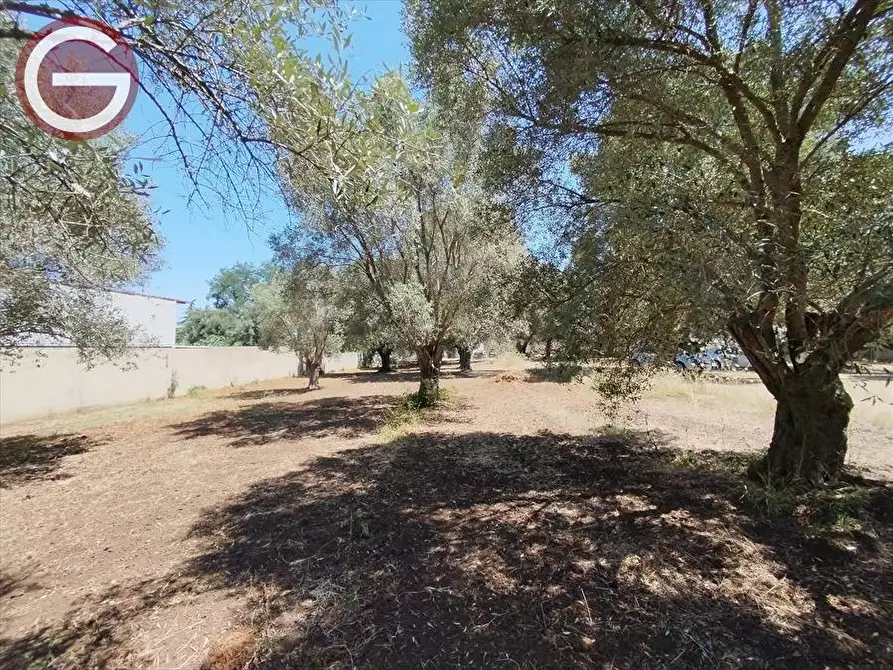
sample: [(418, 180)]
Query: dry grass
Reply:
[(743, 392), (233, 651)]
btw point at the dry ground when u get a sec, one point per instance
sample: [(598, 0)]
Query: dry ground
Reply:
[(518, 527)]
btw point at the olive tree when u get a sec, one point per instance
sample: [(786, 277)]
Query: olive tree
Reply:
[(729, 144), (74, 221), (74, 216), (298, 310), (366, 326), (403, 204)]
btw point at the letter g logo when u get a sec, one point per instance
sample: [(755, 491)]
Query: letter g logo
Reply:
[(77, 78)]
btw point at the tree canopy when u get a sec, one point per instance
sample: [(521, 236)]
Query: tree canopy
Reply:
[(719, 160), (403, 203), (74, 221), (231, 321)]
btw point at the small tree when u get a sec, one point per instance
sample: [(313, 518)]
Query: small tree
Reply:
[(298, 310)]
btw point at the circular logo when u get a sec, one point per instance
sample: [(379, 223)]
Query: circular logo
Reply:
[(76, 78)]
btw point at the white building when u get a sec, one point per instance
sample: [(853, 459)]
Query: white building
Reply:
[(154, 318)]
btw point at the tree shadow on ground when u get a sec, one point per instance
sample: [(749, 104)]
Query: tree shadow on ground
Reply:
[(94, 633), (264, 394), (447, 372), (26, 458), (494, 550), (265, 422), (489, 550), (559, 373)]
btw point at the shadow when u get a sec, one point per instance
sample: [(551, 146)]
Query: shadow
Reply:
[(91, 634), (558, 373), (491, 550), (264, 394), (26, 458), (266, 422), (494, 550), (448, 371)]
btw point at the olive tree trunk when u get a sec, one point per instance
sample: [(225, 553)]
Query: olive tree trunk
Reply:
[(809, 437), (385, 354), (429, 357), (464, 359)]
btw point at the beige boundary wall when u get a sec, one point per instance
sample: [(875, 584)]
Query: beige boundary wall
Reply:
[(55, 382)]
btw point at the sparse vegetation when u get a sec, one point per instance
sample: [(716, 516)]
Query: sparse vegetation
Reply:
[(411, 408)]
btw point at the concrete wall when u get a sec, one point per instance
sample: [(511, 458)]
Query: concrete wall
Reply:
[(55, 382)]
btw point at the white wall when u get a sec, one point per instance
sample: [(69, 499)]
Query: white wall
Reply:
[(55, 382)]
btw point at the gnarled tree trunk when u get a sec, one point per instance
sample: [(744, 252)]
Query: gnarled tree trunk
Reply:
[(464, 359), (809, 438), (385, 354), (429, 367)]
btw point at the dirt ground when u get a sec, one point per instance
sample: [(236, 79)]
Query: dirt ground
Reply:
[(519, 526)]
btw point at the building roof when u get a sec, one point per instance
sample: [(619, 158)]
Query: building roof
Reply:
[(147, 295)]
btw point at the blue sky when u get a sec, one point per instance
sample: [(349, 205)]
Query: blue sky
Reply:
[(200, 238)]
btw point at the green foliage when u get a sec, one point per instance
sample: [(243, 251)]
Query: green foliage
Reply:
[(711, 152), (231, 287), (709, 165), (211, 327), (74, 223), (73, 215), (232, 322), (298, 310), (411, 408), (402, 206), (207, 67)]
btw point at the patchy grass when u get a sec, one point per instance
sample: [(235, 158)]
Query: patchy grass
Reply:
[(409, 410), (842, 509), (196, 390), (730, 463)]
